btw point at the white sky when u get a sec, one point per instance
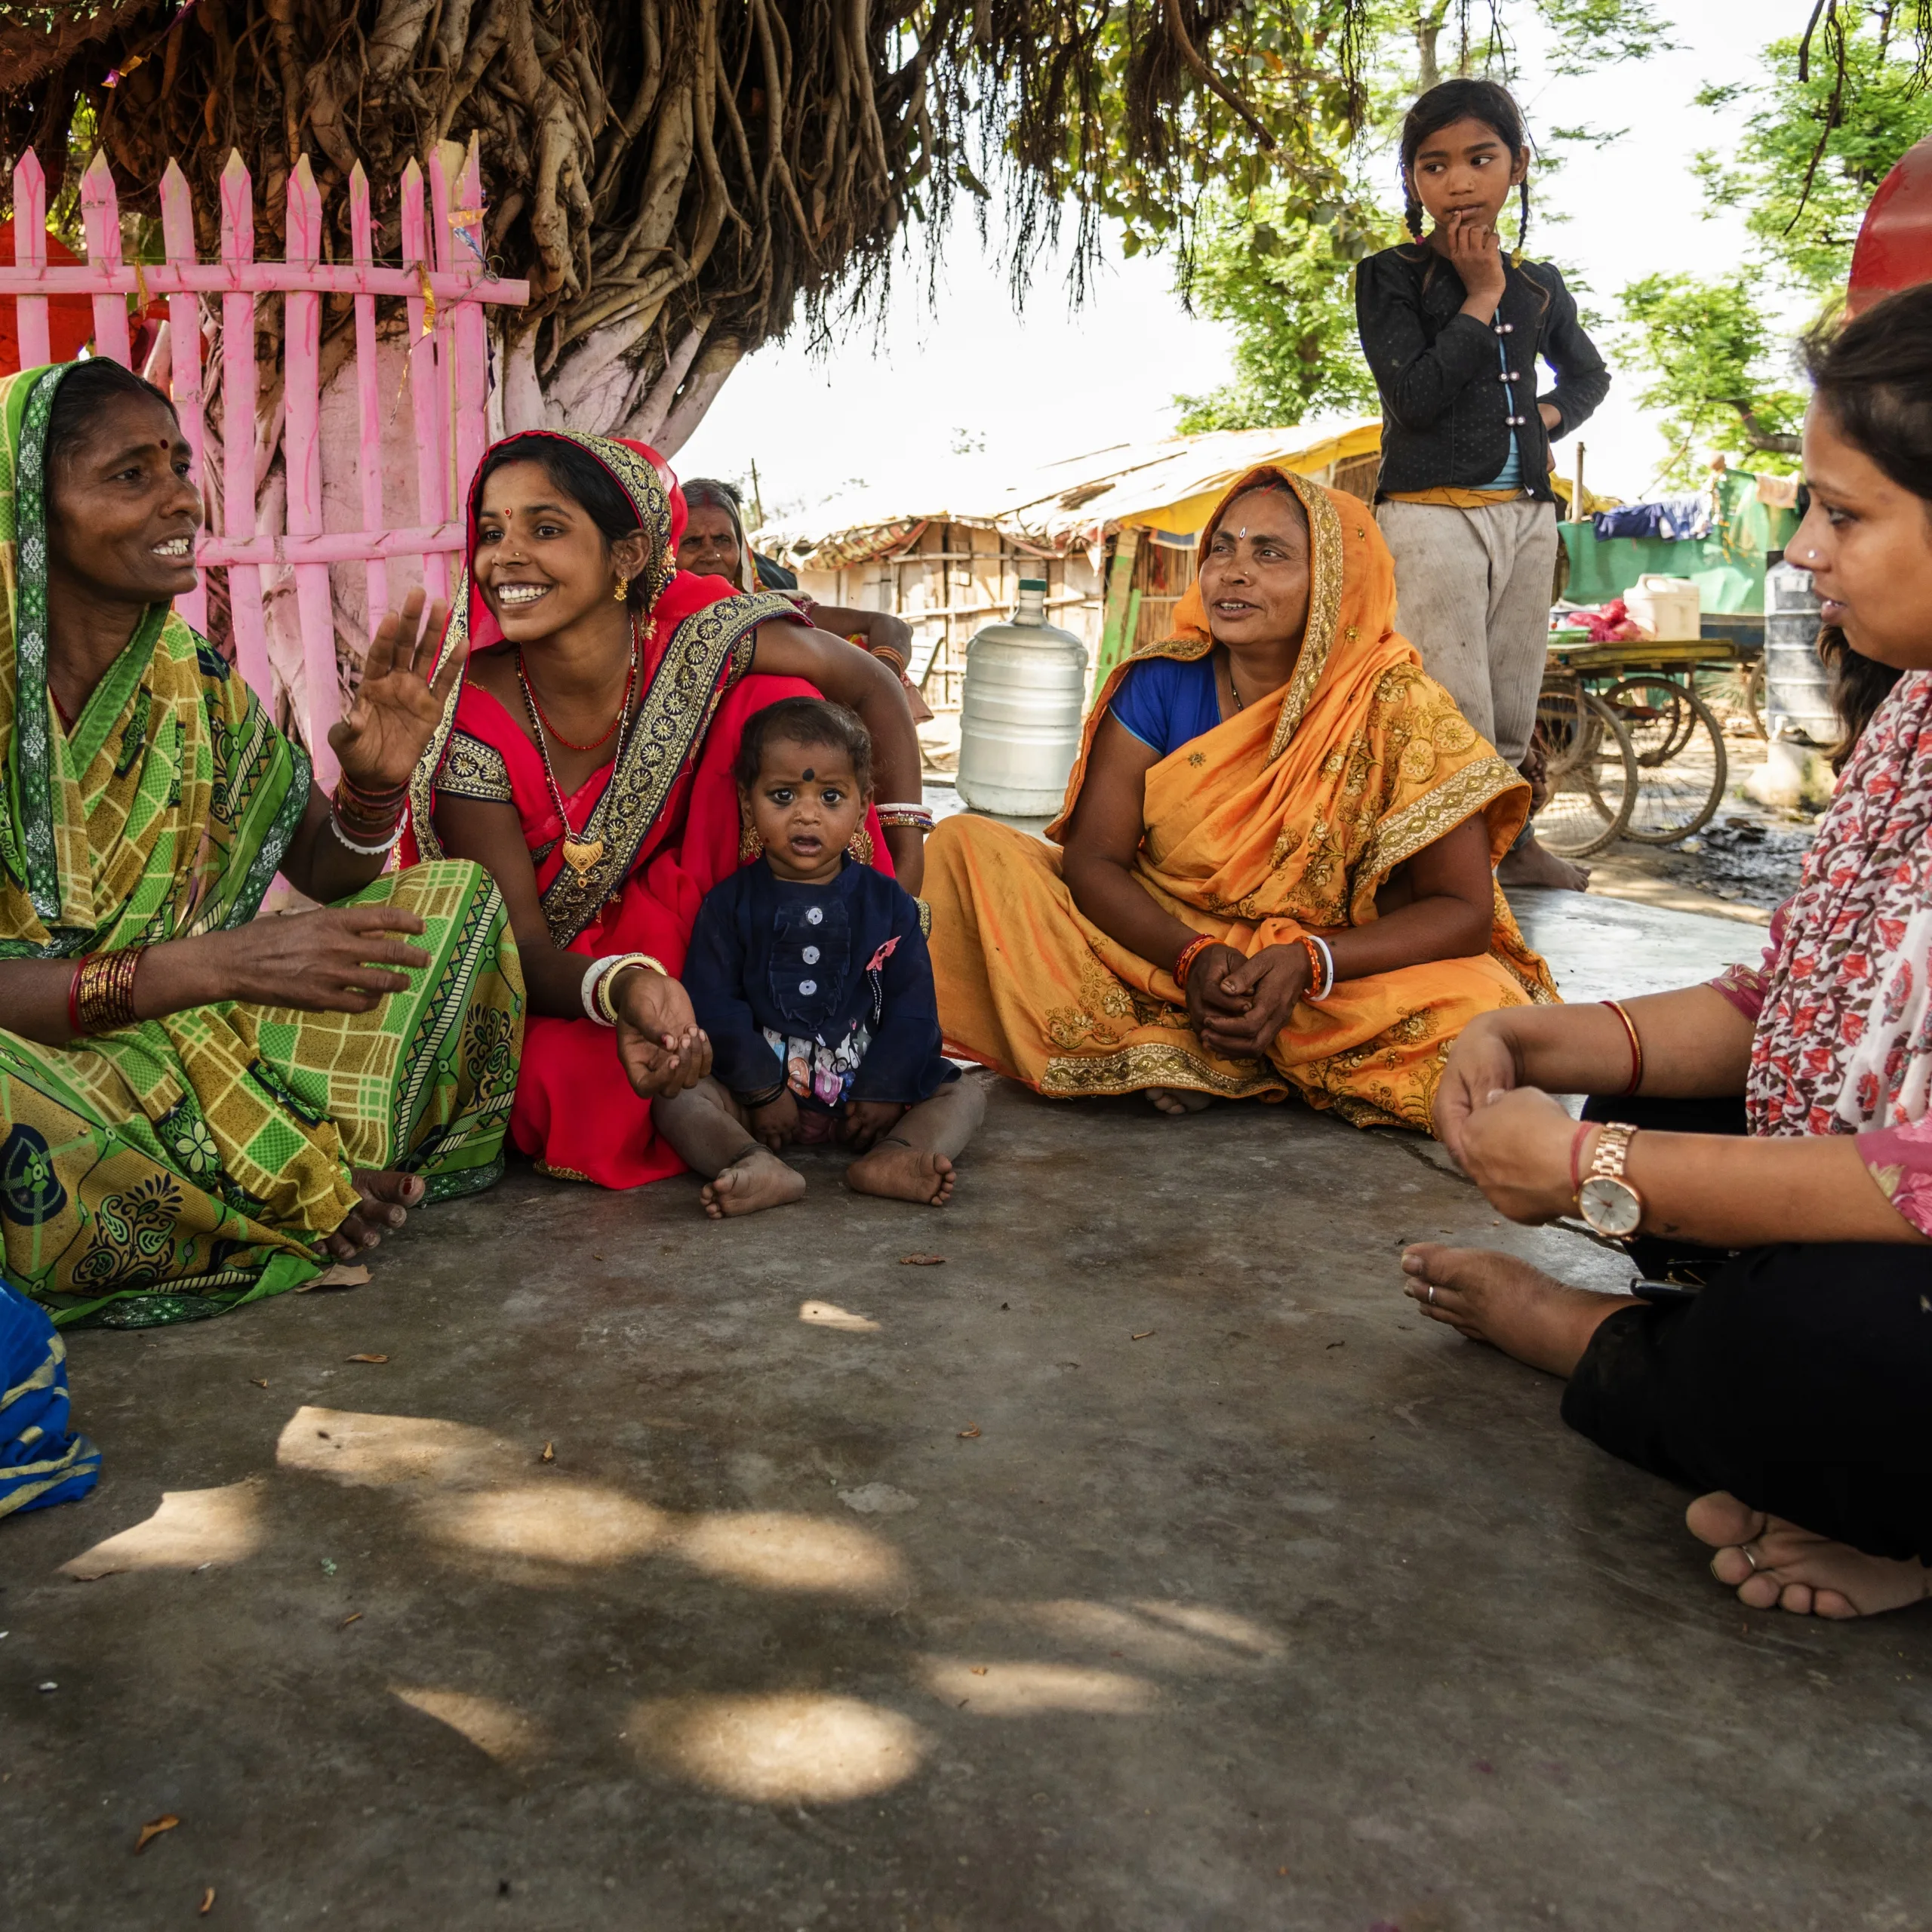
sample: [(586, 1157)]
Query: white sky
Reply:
[(1048, 383)]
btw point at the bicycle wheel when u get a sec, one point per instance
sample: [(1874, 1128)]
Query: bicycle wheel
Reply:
[(1590, 768), (1681, 765)]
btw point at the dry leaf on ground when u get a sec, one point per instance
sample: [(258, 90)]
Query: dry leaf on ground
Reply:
[(967, 1434), (258, 1382), (343, 1274), (922, 1261), (374, 1358), (978, 1670), (1142, 1337), (549, 1454), (207, 1905), (354, 1616), (154, 1828)]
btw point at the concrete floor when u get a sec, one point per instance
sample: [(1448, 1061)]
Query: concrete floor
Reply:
[(1149, 1564)]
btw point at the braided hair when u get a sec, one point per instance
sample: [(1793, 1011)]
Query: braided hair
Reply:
[(1446, 104)]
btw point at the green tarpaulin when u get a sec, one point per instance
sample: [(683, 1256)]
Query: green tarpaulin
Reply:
[(1727, 567)]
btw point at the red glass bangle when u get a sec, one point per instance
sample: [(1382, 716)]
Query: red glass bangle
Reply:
[(1636, 1045), (1576, 1140)]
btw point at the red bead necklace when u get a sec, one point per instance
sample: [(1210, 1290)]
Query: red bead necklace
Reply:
[(603, 737)]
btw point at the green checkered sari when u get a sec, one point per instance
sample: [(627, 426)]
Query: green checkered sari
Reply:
[(181, 1166)]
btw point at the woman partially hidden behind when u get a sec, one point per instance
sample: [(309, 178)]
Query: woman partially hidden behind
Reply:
[(198, 1107), (1795, 1387), (1276, 876)]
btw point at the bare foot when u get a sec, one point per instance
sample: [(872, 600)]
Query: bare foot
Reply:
[(1531, 863), (1175, 1101), (757, 1178), (900, 1173), (1495, 1298), (1774, 1564), (386, 1196)]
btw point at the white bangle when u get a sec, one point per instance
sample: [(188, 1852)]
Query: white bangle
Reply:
[(592, 979), (366, 851), (1321, 944)]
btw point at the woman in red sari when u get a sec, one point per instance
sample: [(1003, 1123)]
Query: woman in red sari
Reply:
[(585, 760)]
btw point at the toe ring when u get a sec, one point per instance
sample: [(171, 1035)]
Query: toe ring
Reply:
[(1432, 1294), (1744, 1550)]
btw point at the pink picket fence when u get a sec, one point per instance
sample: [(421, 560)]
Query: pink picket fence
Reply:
[(442, 277)]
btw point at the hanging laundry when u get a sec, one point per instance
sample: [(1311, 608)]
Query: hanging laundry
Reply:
[(1673, 519)]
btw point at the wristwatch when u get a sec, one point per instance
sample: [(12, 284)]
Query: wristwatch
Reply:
[(1606, 1201)]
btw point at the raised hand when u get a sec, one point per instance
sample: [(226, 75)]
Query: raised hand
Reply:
[(1475, 251), (398, 702)]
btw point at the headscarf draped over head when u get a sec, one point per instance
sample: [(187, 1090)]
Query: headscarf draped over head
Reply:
[(165, 809), (693, 652), (1360, 745)]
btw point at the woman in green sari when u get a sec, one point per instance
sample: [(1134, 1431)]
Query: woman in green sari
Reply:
[(198, 1107)]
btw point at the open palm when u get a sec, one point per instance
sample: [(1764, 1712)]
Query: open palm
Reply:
[(388, 727)]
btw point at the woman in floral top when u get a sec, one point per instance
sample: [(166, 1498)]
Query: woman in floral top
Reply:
[(1792, 1384)]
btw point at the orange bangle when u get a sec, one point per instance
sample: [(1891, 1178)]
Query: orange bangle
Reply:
[(1184, 960)]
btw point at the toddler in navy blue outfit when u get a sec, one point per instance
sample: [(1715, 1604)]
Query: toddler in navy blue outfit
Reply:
[(809, 971)]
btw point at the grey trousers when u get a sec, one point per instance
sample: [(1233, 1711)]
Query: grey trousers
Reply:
[(1472, 592)]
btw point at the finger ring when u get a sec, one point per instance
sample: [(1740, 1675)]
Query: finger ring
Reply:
[(1432, 1294)]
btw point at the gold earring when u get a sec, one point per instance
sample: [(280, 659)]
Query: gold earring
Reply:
[(621, 594)]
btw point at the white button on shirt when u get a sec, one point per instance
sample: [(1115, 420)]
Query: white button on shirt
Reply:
[(811, 955), (808, 987), (814, 915)]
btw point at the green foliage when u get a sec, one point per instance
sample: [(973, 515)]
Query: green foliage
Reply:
[(1856, 129), (1280, 270), (1707, 351), (1809, 162)]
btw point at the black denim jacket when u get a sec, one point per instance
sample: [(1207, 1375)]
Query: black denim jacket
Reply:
[(1447, 403)]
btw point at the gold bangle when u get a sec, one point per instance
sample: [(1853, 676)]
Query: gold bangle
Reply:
[(605, 1004), (103, 1000)]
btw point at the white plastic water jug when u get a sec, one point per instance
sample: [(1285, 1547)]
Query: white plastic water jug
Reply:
[(1666, 607), (1019, 711)]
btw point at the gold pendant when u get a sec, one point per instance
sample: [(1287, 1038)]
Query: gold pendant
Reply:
[(581, 855)]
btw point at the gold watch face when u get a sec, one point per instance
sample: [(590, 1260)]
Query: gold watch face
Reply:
[(1611, 1207)]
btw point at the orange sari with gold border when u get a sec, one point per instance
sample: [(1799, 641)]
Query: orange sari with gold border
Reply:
[(1290, 816)]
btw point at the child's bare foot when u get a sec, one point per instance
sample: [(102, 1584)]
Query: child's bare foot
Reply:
[(1495, 1298), (1175, 1101), (1774, 1564), (757, 1178), (900, 1173)]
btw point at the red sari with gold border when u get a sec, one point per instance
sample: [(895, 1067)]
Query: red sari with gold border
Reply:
[(667, 811)]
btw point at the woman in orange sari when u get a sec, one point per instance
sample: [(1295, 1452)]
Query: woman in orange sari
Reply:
[(1278, 852)]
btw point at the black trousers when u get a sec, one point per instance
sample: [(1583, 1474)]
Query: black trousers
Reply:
[(1799, 1379)]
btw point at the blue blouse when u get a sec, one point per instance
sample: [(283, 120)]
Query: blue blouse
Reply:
[(1165, 701)]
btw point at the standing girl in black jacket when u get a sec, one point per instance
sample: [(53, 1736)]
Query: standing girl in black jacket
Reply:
[(1452, 329)]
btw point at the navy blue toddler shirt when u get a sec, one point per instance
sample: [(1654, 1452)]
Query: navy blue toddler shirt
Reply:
[(826, 988)]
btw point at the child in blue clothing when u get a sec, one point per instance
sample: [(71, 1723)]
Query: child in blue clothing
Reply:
[(809, 972)]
